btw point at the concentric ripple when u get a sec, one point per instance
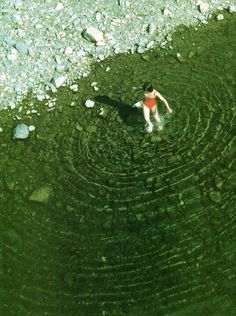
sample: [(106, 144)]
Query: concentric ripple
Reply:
[(159, 198)]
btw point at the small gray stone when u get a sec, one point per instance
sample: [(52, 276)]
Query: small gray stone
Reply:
[(89, 103), (220, 17), (22, 48), (59, 80), (94, 35), (152, 28), (203, 7), (232, 8)]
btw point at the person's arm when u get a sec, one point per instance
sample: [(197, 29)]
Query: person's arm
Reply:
[(163, 100)]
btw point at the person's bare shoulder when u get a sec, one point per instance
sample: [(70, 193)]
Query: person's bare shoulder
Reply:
[(156, 93)]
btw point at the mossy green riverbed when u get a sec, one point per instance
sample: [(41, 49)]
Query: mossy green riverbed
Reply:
[(122, 222)]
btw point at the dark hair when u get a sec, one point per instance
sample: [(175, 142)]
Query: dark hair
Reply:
[(147, 87)]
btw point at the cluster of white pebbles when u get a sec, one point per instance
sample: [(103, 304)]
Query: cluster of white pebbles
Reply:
[(45, 44)]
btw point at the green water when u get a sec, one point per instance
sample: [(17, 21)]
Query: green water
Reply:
[(130, 223)]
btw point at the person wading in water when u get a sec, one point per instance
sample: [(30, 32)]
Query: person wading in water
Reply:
[(149, 103)]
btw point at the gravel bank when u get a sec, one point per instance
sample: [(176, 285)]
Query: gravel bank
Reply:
[(45, 44)]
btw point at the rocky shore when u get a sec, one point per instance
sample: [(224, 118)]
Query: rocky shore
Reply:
[(46, 44)]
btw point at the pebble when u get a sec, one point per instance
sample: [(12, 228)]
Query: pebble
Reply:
[(40, 39), (203, 7), (150, 44), (22, 48), (1, 130), (152, 28), (101, 111), (167, 12), (59, 80), (40, 97), (74, 87), (93, 34), (59, 6), (180, 58), (16, 18), (220, 17), (232, 8), (68, 51), (89, 103), (31, 128), (169, 38)]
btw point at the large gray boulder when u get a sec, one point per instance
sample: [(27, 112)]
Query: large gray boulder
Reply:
[(21, 131)]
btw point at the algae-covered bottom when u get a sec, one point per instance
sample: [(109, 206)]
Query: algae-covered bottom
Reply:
[(100, 218)]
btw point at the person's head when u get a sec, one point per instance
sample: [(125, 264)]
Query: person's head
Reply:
[(147, 87)]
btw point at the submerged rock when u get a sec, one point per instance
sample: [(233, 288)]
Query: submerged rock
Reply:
[(21, 131), (215, 196), (42, 194)]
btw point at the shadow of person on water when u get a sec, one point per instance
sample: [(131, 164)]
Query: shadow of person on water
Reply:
[(126, 112)]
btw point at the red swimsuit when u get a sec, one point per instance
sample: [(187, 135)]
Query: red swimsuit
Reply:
[(149, 102)]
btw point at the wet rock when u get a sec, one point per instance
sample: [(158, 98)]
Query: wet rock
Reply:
[(21, 131), (89, 103), (31, 128), (180, 58), (41, 194), (220, 17), (215, 196), (74, 87), (169, 37)]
